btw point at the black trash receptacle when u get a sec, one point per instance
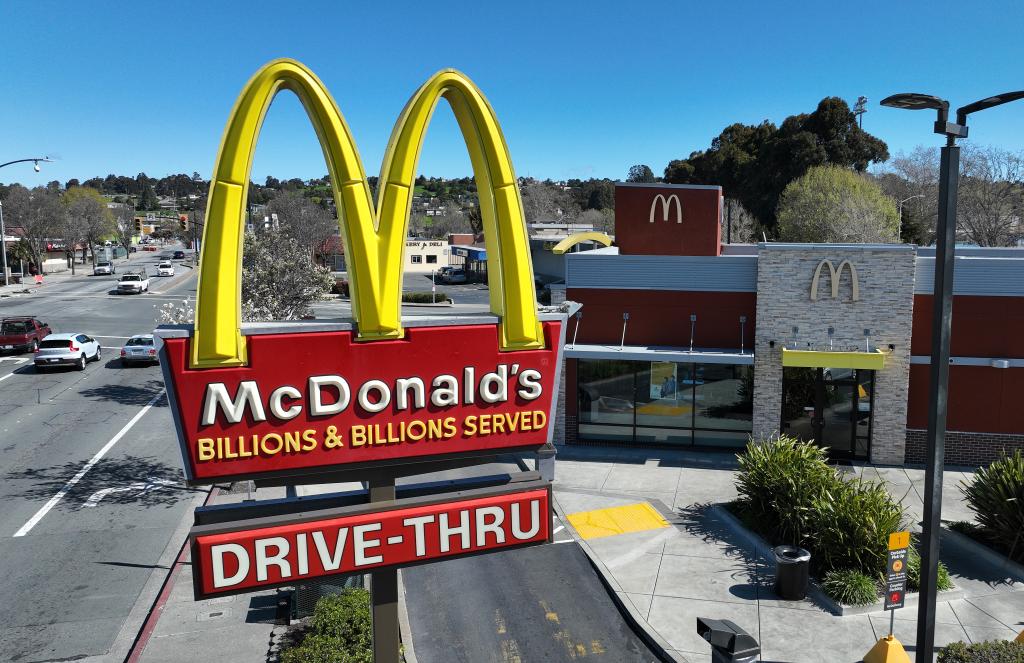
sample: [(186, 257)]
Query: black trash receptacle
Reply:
[(792, 570)]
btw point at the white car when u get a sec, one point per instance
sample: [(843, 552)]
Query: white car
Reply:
[(134, 282), (139, 349), (66, 350), (103, 267), (165, 268)]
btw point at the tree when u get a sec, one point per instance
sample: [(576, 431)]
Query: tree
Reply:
[(544, 202), (452, 221), (73, 230), (88, 210), (147, 199), (836, 205), (279, 278), (991, 198), (755, 163), (640, 173), (299, 217), (124, 229), (38, 213), (601, 220)]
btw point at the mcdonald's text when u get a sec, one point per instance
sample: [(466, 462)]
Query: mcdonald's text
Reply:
[(244, 559), (321, 399)]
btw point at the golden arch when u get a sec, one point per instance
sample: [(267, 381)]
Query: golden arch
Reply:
[(573, 240), (373, 236), (834, 276)]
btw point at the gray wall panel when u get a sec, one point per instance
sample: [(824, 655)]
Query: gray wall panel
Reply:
[(700, 273), (993, 277)]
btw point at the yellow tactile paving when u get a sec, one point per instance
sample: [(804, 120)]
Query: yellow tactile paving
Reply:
[(616, 520)]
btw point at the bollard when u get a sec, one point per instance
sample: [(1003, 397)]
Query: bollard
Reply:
[(729, 643)]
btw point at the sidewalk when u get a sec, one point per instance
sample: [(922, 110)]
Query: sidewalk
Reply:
[(697, 566)]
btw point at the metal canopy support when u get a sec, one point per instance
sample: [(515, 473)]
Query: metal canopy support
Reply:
[(938, 393), (384, 591)]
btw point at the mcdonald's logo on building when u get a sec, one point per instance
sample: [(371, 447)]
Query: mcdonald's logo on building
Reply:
[(281, 399), (835, 274), (666, 204)]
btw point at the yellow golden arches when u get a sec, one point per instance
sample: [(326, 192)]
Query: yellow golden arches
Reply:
[(373, 238), (574, 239)]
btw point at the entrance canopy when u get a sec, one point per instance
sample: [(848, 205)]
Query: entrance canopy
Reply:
[(814, 358)]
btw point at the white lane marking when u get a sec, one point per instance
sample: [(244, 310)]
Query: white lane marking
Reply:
[(99, 336), (16, 360), (558, 529), (34, 520), (9, 375), (148, 486)]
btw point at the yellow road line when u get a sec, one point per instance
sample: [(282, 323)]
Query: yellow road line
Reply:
[(617, 520)]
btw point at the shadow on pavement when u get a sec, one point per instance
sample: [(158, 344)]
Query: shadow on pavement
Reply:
[(129, 480), (128, 394)]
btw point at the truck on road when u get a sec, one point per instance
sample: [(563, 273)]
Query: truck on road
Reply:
[(22, 333), (135, 282)]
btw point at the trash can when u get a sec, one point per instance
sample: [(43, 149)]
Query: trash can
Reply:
[(792, 569)]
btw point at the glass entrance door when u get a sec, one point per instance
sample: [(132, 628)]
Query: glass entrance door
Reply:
[(831, 407)]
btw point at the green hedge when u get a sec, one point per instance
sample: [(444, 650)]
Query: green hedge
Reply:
[(425, 298), (995, 651), (340, 631), (789, 494), (996, 496)]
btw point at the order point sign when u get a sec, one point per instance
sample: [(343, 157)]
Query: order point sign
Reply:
[(896, 572)]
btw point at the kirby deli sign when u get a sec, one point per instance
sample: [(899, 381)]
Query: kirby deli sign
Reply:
[(255, 554), (274, 400)]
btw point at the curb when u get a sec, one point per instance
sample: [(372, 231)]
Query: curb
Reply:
[(657, 644), (404, 625), (975, 549), (814, 592)]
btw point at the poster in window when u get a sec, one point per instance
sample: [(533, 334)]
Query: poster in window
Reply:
[(663, 379)]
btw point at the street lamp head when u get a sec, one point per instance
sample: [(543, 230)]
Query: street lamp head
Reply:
[(915, 101), (36, 167), (989, 102)]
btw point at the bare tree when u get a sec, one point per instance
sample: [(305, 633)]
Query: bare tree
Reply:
[(744, 226), (603, 220), (124, 229), (546, 202), (38, 213), (72, 232), (299, 217), (87, 209), (453, 220), (991, 198)]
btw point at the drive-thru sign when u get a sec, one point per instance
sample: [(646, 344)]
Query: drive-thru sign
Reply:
[(301, 402)]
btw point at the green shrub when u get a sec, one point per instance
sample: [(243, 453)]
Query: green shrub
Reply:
[(944, 583), (340, 631), (995, 651), (424, 298), (778, 482), (852, 523), (340, 287), (996, 496), (850, 587)]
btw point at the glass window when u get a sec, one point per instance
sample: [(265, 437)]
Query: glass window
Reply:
[(431, 260), (416, 259), (723, 396), (664, 402), (605, 397)]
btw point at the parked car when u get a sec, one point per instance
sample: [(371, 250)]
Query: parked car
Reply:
[(165, 268), (178, 255), (104, 267), (450, 276), (66, 350), (22, 334), (139, 349), (149, 248), (133, 282), (132, 249)]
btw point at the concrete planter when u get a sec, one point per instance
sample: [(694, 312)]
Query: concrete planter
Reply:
[(814, 592)]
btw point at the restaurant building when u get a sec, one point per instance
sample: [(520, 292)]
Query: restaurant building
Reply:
[(685, 342)]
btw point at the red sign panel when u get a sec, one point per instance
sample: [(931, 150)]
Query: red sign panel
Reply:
[(319, 400), (668, 219), (238, 561)]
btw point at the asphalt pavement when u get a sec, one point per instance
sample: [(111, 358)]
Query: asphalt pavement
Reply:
[(90, 474)]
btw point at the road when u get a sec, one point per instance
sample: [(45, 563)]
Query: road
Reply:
[(73, 571)]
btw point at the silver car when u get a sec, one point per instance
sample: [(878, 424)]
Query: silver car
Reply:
[(66, 350), (103, 267), (139, 350)]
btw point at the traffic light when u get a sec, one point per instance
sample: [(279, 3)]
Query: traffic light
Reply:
[(138, 225), (183, 222)]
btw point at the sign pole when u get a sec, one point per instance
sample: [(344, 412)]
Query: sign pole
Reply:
[(384, 591)]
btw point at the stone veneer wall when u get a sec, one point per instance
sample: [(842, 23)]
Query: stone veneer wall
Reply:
[(885, 306), (964, 448)]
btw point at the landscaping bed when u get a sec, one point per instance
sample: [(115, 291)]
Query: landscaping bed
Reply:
[(790, 495)]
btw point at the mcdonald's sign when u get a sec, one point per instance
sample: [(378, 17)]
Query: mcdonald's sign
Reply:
[(286, 399), (834, 275), (666, 207)]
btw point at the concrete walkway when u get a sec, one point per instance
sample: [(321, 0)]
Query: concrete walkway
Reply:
[(697, 566)]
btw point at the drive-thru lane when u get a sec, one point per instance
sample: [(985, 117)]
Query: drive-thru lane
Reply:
[(78, 568)]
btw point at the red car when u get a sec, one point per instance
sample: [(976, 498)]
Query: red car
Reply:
[(22, 334)]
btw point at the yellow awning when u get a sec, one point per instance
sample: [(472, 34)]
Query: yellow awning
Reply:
[(573, 240), (815, 359)]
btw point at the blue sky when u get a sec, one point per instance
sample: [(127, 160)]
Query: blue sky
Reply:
[(581, 89)]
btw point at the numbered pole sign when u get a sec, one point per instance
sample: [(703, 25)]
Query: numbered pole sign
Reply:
[(896, 571)]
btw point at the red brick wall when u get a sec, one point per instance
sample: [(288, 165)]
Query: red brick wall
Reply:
[(699, 233), (971, 449), (663, 317)]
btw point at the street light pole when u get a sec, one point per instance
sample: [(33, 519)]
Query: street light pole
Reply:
[(3, 233), (942, 313)]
